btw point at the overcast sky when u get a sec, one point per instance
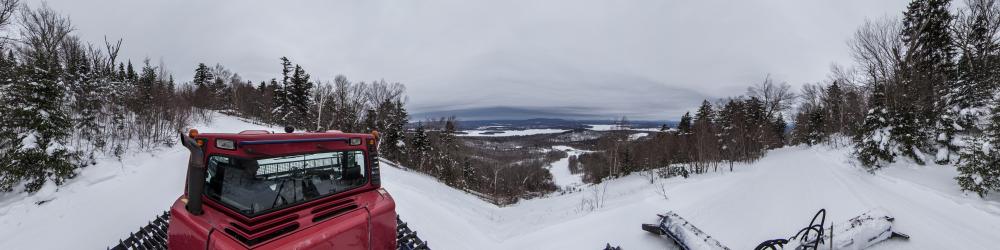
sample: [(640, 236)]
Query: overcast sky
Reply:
[(644, 59)]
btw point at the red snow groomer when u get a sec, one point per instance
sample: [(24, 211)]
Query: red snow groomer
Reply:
[(263, 190)]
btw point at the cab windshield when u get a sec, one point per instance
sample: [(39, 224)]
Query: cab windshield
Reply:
[(256, 186)]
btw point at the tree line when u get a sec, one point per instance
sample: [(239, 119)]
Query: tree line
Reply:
[(733, 130), (498, 170)]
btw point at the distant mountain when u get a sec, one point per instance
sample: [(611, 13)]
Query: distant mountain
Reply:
[(510, 113), (501, 118)]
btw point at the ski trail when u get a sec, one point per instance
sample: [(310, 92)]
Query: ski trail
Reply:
[(923, 214)]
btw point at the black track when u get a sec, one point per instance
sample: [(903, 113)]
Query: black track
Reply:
[(152, 236)]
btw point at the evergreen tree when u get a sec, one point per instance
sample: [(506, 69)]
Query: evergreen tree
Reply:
[(299, 94), (393, 133), (873, 145), (202, 76), (202, 93), (834, 109), (10, 140), (40, 121), (684, 126), (816, 133), (130, 74), (979, 170), (283, 95), (731, 126), (777, 129), (928, 75), (906, 130), (978, 77), (420, 148), (705, 137), (275, 112)]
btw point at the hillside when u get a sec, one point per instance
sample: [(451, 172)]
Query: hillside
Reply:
[(771, 198)]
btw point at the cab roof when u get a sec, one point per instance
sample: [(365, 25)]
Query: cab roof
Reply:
[(255, 135)]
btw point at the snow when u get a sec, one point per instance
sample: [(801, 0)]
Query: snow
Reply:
[(942, 154), (636, 136), (512, 132), (610, 127), (771, 198), (561, 174), (603, 127)]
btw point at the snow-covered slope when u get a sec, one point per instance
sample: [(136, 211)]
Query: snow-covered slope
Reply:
[(768, 199)]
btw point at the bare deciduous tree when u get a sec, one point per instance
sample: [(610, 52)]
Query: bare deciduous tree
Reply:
[(7, 10), (777, 97), (878, 49), (43, 30)]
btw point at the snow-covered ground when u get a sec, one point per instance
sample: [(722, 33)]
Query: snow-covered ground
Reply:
[(769, 199), (609, 127), (636, 136), (511, 132), (602, 127), (560, 169)]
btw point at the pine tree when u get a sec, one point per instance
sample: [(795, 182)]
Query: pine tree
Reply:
[(202, 76), (873, 145), (816, 132), (908, 132), (705, 136), (202, 93), (777, 129), (42, 124), (979, 170), (130, 73), (10, 140), (928, 75), (393, 132), (299, 98), (731, 121), (684, 126), (978, 77), (420, 148), (834, 109), (276, 111)]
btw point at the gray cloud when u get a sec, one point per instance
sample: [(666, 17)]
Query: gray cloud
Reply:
[(645, 59)]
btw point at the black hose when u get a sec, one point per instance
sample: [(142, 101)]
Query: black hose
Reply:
[(802, 235)]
